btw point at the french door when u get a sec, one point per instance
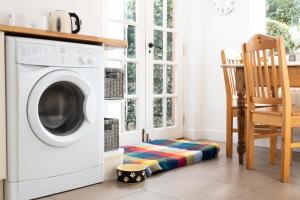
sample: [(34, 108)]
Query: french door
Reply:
[(153, 64), (164, 73)]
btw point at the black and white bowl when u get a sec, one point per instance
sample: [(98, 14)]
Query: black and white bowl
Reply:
[(131, 173)]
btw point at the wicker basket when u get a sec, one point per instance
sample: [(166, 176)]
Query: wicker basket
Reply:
[(111, 134), (114, 83)]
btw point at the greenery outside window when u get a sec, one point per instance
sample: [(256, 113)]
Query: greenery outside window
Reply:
[(283, 18), (121, 23)]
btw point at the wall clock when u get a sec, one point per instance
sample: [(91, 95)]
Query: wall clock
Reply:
[(223, 7)]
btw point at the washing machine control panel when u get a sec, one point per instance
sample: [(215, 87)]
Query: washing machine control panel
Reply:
[(60, 54)]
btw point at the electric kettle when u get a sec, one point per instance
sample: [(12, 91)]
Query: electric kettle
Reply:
[(62, 21)]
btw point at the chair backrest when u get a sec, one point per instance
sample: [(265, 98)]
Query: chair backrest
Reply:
[(266, 73), (230, 56)]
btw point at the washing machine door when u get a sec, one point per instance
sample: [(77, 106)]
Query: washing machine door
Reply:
[(61, 107)]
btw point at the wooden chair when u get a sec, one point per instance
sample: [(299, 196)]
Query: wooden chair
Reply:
[(263, 80), (229, 56)]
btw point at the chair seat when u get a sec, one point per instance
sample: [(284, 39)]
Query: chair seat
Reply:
[(276, 110)]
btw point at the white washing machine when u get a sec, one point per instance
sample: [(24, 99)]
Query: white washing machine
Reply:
[(54, 116)]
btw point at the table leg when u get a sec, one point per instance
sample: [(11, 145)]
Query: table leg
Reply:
[(240, 88)]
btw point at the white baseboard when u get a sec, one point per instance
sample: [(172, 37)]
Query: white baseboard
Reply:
[(192, 134), (220, 136)]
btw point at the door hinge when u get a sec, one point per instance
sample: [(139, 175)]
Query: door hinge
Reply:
[(183, 120)]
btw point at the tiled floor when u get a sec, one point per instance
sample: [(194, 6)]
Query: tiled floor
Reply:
[(217, 179)]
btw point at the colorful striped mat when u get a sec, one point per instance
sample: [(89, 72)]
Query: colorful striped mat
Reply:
[(210, 150), (163, 155)]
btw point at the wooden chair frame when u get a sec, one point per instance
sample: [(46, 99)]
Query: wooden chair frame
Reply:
[(264, 77), (229, 56)]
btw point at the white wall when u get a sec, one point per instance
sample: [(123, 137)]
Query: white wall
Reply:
[(205, 92), (89, 11), (193, 70), (206, 34), (205, 104), (220, 32)]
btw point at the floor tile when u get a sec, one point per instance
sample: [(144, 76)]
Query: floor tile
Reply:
[(194, 188), (220, 178), (238, 175), (146, 195), (275, 191), (274, 170), (183, 172), (104, 191)]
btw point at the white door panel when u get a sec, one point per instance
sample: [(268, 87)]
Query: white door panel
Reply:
[(164, 114), (125, 19), (154, 76)]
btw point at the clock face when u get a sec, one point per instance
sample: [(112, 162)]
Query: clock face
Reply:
[(223, 7)]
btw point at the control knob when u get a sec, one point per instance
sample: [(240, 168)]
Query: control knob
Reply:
[(82, 60), (91, 60)]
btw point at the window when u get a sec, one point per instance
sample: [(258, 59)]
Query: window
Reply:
[(283, 19), (164, 64), (122, 24), (153, 64)]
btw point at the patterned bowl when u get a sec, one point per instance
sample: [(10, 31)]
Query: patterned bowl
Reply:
[(131, 173)]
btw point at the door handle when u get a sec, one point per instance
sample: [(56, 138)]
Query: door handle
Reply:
[(151, 45)]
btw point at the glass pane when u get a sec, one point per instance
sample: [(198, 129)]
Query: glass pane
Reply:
[(170, 14), (60, 108), (131, 78), (170, 48), (158, 74), (158, 12), (170, 79), (130, 10), (170, 111), (157, 113), (158, 45), (131, 38), (131, 115), (116, 9)]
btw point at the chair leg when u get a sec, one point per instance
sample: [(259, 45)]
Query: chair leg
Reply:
[(250, 144), (291, 148), (291, 158), (285, 153), (273, 148), (229, 133)]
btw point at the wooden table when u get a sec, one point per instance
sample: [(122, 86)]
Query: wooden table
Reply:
[(294, 74)]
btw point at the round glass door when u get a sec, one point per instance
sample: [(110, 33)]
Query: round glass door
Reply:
[(61, 108)]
